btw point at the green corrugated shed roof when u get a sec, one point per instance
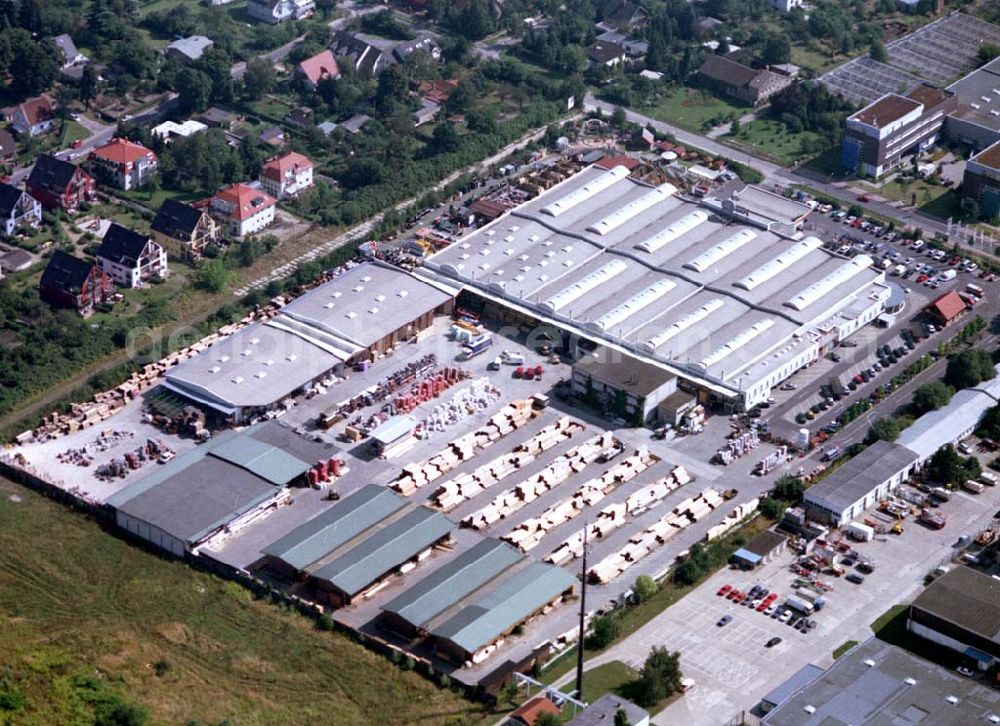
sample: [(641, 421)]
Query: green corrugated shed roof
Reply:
[(335, 527), (446, 586), (502, 608), (266, 461), (389, 547)]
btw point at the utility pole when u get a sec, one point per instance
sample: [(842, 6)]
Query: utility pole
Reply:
[(583, 611)]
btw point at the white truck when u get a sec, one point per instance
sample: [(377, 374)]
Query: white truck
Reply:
[(798, 603), (947, 275), (860, 532), (898, 270)]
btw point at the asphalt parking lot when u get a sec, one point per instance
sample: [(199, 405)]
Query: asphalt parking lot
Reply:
[(731, 665)]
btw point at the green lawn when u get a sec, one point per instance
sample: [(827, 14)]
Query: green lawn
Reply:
[(85, 612), (843, 648), (904, 192), (771, 138), (73, 131), (154, 198), (691, 108)]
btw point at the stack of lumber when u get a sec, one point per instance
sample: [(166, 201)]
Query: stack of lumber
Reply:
[(684, 514), (466, 486), (509, 501), (732, 519), (613, 516), (510, 418), (529, 533)]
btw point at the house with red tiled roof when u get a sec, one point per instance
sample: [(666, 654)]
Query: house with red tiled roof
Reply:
[(35, 116), (322, 65), (531, 711), (123, 164), (945, 309), (242, 209), (286, 175), (438, 90)]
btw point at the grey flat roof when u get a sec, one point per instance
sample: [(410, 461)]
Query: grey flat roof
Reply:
[(336, 526), (852, 691), (801, 678), (388, 548), (622, 371), (214, 483), (977, 88), (966, 598), (472, 569), (626, 261), (765, 542), (265, 362), (602, 712), (861, 475), (945, 425), (504, 606)]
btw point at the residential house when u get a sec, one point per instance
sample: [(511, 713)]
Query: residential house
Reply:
[(286, 175), (35, 117), (57, 184), (71, 56), (355, 124), (634, 48), (183, 230), (786, 5), (69, 282), (427, 112), (218, 118), (8, 147), (18, 209), (424, 43), (326, 127), (273, 136), (603, 53), (16, 261), (750, 85), (623, 16), (278, 11), (130, 258), (302, 116), (312, 70), (243, 209), (368, 60), (438, 90), (188, 50), (171, 129), (123, 164)]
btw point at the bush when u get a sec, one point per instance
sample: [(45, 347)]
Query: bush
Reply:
[(790, 488), (325, 622), (645, 587), (931, 396), (969, 368), (161, 668), (883, 429), (660, 676), (772, 509), (603, 631)]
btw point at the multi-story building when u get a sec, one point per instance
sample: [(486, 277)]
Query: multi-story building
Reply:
[(70, 282), (123, 164), (243, 210), (129, 258), (981, 184), (17, 209), (286, 175), (880, 134), (57, 184), (750, 85), (183, 230)]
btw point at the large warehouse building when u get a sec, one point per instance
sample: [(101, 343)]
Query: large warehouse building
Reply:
[(216, 488), (360, 314), (961, 611), (724, 294), (355, 544)]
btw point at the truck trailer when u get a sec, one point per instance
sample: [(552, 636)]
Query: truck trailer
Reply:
[(860, 532)]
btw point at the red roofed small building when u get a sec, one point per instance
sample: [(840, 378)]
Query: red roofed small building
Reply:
[(242, 209), (322, 65), (34, 117), (610, 162), (286, 175), (438, 90), (530, 711), (946, 308), (123, 164)]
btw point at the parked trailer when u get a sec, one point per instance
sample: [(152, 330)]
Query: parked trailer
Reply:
[(803, 606), (973, 486), (860, 532)]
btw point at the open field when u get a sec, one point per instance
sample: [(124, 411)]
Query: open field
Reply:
[(772, 139), (85, 603), (691, 108)]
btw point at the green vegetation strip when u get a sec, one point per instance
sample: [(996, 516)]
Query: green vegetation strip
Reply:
[(93, 624), (846, 646)]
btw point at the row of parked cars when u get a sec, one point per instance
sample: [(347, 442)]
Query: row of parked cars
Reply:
[(764, 601)]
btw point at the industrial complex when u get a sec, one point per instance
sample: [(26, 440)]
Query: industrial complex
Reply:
[(725, 294)]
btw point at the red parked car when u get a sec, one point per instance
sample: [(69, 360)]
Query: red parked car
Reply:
[(724, 589)]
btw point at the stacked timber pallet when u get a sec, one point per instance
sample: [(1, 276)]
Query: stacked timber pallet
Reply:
[(530, 532), (509, 418), (466, 486), (572, 462), (732, 519), (683, 515), (613, 516)]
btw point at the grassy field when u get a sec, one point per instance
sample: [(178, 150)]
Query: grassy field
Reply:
[(691, 108), (771, 138), (83, 611)]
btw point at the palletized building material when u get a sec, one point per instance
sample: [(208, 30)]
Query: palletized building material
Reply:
[(680, 474), (712, 497)]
